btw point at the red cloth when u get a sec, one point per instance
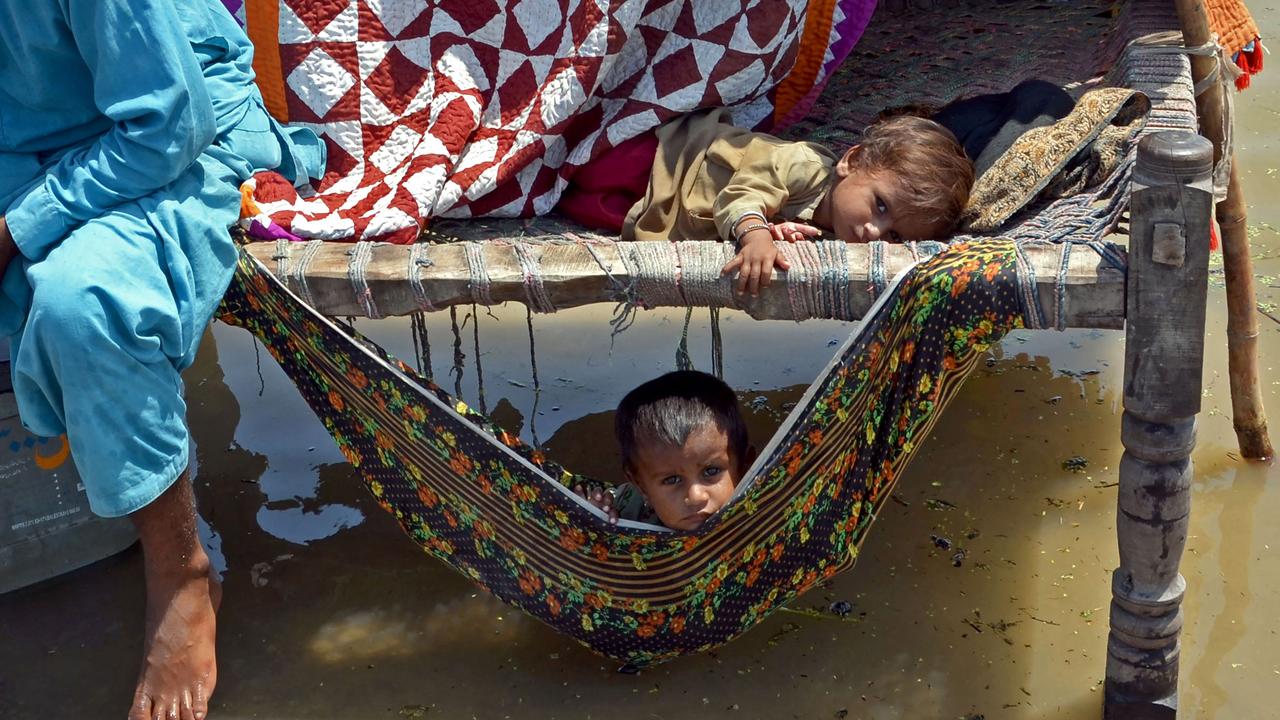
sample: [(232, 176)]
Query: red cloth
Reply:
[(601, 192), (1250, 62)]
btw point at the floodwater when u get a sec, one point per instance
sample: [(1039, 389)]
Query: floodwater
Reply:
[(330, 612)]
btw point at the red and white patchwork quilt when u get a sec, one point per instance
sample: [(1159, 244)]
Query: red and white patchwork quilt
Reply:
[(465, 108)]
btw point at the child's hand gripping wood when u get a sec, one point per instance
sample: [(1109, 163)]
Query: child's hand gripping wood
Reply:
[(758, 256)]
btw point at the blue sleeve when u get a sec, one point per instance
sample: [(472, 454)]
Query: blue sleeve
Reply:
[(147, 81)]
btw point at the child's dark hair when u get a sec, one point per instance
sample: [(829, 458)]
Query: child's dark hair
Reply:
[(669, 408), (933, 173)]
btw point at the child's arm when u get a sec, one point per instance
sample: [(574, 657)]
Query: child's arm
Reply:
[(769, 175), (147, 82)]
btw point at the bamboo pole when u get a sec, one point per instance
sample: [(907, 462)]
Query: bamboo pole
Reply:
[(1248, 415)]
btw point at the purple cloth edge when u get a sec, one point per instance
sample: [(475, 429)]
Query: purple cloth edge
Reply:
[(857, 15)]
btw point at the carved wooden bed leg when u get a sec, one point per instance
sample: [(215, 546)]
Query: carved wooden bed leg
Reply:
[(1164, 356)]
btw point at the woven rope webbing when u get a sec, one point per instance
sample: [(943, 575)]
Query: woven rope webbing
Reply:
[(361, 255), (498, 511), (681, 273), (530, 259), (419, 258), (480, 282)]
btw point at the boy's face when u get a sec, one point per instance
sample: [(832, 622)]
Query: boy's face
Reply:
[(686, 485), (868, 206)]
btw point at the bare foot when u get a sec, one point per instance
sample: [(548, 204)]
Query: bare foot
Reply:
[(178, 665)]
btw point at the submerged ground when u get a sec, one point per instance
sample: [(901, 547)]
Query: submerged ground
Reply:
[(331, 613)]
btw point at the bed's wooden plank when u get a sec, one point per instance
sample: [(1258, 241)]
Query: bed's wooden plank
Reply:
[(1093, 294)]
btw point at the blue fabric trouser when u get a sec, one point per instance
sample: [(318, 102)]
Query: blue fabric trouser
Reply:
[(102, 325)]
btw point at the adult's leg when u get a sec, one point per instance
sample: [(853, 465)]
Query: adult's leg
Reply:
[(179, 670), (116, 311)]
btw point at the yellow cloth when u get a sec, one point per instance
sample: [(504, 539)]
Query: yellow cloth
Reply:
[(707, 173)]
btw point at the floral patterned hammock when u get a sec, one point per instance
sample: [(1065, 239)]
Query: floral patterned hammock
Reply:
[(498, 511)]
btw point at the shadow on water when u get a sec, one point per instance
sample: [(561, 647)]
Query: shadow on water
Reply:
[(1231, 529)]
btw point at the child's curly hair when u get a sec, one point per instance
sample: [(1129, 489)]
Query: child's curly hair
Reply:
[(932, 171)]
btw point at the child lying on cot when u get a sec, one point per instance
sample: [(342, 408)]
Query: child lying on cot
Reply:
[(700, 178), (684, 449)]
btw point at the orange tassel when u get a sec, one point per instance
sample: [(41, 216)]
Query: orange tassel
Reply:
[(1213, 237)]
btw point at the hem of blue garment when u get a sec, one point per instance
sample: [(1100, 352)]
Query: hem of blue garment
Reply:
[(142, 494), (312, 156), (36, 222)]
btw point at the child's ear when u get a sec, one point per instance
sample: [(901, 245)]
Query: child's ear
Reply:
[(631, 478), (844, 166), (748, 458)]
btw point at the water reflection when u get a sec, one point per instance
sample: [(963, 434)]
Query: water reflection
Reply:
[(402, 632)]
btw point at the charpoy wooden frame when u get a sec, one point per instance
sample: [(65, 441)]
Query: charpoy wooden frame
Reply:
[(1160, 301)]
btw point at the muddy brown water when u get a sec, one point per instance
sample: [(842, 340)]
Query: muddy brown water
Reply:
[(330, 612)]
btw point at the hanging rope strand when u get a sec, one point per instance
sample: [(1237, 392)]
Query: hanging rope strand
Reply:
[(717, 344), (683, 361), (422, 345), (537, 385), (458, 357), (475, 336)]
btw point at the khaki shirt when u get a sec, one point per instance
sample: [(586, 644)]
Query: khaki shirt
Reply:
[(707, 173)]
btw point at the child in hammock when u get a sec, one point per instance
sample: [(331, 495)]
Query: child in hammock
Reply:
[(700, 178), (684, 449)]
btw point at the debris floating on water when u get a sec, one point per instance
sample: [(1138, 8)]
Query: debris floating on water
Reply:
[(940, 542), (787, 629), (1075, 463)]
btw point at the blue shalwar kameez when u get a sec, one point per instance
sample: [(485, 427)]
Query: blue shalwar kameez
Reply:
[(126, 128)]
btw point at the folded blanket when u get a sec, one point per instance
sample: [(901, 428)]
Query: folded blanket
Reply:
[(463, 108), (1058, 159)]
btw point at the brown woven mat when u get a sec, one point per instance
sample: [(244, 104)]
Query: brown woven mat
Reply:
[(932, 57)]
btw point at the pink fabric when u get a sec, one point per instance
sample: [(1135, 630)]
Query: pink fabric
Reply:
[(601, 192)]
